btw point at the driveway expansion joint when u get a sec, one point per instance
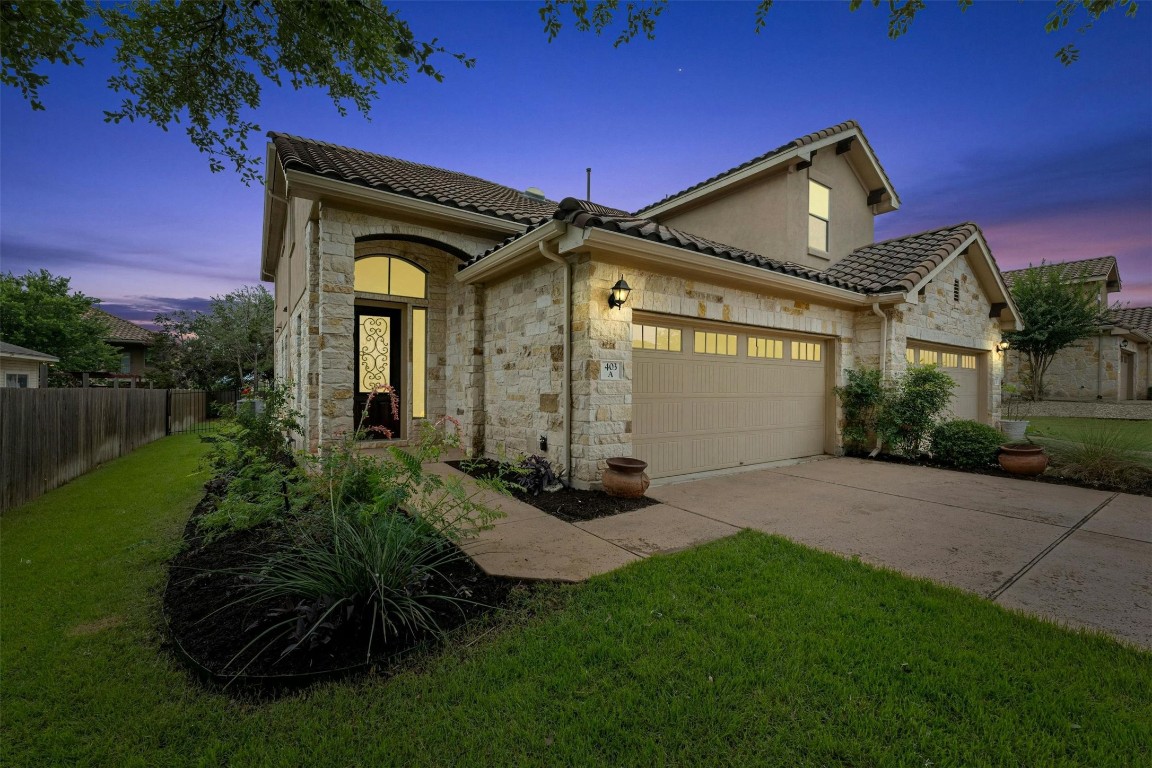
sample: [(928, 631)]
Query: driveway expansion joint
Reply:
[(995, 594)]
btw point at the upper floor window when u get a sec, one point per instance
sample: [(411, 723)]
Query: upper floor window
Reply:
[(126, 363), (818, 214), (391, 275)]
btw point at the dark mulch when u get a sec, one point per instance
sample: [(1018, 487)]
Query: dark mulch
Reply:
[(219, 637), (1139, 487), (568, 504)]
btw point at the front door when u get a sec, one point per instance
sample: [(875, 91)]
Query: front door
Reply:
[(379, 356)]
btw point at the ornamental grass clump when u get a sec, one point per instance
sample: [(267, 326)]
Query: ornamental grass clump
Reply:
[(365, 548), (1103, 454), (966, 444)]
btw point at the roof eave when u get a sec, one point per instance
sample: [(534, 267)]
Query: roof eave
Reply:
[(275, 213), (658, 256), (773, 162), (987, 272), (311, 186), (512, 256)]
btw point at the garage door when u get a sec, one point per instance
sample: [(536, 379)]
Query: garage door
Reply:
[(715, 397), (963, 366)]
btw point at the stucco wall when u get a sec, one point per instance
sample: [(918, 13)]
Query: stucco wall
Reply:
[(770, 216)]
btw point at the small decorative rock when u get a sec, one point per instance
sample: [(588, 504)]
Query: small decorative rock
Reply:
[(625, 477)]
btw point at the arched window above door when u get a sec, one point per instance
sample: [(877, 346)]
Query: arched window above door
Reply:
[(391, 275)]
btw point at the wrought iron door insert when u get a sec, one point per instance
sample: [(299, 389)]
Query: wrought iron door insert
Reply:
[(379, 361)]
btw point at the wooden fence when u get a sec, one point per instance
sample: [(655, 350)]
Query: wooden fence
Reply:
[(50, 436)]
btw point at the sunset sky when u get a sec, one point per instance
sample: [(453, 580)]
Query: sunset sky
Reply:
[(970, 113)]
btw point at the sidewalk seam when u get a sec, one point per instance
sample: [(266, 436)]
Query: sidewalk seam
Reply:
[(995, 594)]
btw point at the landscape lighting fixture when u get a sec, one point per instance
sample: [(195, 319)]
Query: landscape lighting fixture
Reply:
[(619, 294)]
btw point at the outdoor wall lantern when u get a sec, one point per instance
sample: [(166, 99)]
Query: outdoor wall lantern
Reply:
[(1124, 343), (1001, 346), (619, 294)]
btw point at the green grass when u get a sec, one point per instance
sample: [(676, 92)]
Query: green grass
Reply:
[(749, 651), (1071, 429)]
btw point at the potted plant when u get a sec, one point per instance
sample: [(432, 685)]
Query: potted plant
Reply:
[(1011, 407), (1022, 458)]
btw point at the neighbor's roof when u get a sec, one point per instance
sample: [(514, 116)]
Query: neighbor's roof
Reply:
[(798, 143), (121, 330), (1101, 268), (902, 262), (893, 265), (1133, 318), (23, 353), (402, 177)]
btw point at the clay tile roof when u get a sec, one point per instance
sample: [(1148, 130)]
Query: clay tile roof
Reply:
[(797, 143), (900, 263), (121, 330), (1071, 271), (23, 353), (584, 214), (1133, 318), (401, 177)]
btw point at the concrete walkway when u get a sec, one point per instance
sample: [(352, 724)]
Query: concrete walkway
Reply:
[(1080, 557)]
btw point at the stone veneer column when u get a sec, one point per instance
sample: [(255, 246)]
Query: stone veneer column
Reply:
[(465, 369), (336, 325), (601, 410)]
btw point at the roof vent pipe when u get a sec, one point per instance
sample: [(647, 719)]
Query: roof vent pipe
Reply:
[(588, 184)]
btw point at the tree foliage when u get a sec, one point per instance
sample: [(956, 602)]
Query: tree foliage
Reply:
[(1056, 314), (640, 17), (204, 65), (227, 345), (39, 311)]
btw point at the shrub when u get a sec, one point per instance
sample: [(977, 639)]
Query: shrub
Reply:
[(966, 444), (861, 399), (901, 413), (911, 407), (534, 474)]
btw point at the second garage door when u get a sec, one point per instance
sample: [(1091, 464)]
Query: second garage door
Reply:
[(963, 366), (715, 397)]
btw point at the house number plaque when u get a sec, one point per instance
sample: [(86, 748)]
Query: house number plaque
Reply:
[(611, 370)]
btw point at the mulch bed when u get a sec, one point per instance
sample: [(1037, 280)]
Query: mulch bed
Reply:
[(568, 504), (216, 635), (995, 471)]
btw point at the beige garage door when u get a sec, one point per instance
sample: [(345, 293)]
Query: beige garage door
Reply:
[(715, 397), (964, 368)]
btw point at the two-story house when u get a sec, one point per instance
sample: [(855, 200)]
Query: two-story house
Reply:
[(749, 294)]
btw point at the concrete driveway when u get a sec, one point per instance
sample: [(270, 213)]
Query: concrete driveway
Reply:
[(1080, 557)]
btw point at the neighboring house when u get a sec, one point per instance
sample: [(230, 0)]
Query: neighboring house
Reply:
[(22, 367), (131, 340), (751, 293), (1111, 364)]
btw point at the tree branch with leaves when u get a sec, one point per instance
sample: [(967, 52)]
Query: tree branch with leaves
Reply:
[(204, 65)]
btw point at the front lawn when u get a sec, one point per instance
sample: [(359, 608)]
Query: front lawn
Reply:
[(749, 651), (1073, 429)]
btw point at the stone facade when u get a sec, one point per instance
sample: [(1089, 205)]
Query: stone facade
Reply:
[(1089, 370), (523, 363), (953, 312), (321, 366)]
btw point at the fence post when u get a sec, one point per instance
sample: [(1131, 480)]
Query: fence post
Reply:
[(167, 412)]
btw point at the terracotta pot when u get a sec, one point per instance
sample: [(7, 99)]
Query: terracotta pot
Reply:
[(1023, 459), (625, 477)]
